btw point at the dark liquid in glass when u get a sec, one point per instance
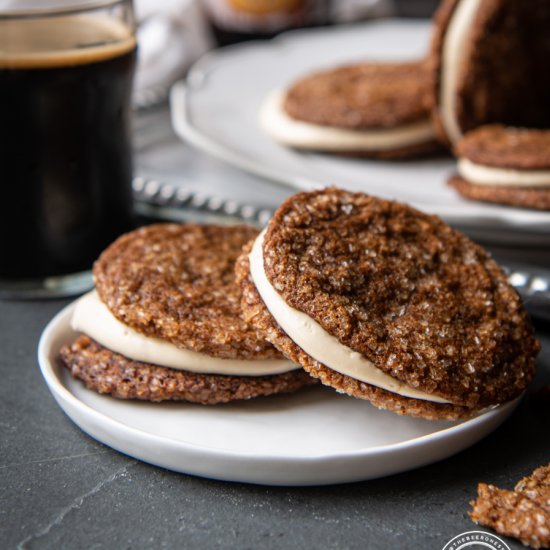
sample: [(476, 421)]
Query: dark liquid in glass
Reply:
[(65, 166)]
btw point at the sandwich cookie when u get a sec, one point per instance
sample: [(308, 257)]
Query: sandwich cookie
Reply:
[(489, 62), (164, 322), (504, 165), (385, 303), (377, 110)]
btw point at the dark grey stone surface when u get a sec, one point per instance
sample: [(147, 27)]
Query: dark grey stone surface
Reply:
[(61, 489)]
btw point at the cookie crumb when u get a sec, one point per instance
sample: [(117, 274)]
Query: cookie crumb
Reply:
[(523, 513)]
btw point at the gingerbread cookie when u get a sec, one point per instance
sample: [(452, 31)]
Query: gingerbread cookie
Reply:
[(164, 322), (385, 303), (504, 165), (489, 62), (379, 110)]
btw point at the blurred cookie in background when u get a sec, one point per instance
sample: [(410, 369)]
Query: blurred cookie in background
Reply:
[(378, 110), (489, 61), (504, 165)]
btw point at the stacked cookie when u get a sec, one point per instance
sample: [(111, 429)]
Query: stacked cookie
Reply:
[(505, 165), (164, 322), (371, 297), (487, 65), (490, 67), (385, 303)]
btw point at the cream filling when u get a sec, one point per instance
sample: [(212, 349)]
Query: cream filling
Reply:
[(488, 175), (283, 128), (454, 44), (318, 343), (92, 317)]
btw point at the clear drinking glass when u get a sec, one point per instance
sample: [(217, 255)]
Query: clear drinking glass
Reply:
[(66, 71)]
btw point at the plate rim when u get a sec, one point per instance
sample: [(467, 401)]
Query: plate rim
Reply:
[(480, 426)]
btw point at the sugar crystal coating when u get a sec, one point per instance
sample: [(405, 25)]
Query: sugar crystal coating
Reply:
[(176, 282), (418, 299), (257, 313)]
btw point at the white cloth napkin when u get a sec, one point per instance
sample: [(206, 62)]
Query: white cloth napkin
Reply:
[(171, 35)]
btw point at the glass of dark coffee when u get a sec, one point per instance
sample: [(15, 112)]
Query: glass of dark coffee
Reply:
[(66, 70)]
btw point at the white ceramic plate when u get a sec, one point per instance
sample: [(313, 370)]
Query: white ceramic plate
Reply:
[(313, 437), (216, 110)]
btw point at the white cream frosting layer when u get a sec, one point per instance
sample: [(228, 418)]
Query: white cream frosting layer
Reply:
[(317, 342), (283, 128), (488, 175), (92, 317), (455, 41)]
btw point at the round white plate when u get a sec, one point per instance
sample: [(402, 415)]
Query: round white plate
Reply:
[(216, 110), (313, 437)]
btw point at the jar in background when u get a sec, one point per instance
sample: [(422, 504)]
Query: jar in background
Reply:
[(234, 21), (66, 72)]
